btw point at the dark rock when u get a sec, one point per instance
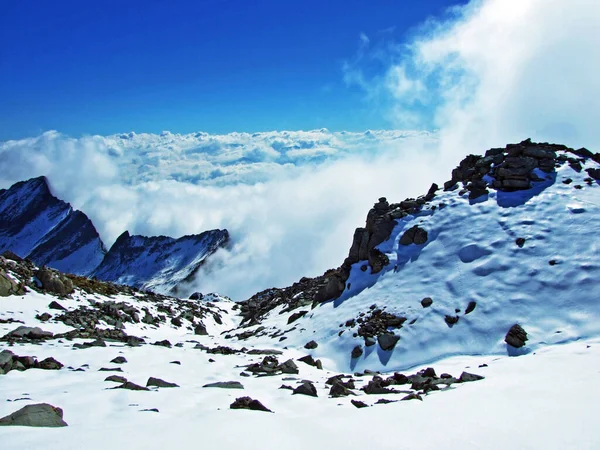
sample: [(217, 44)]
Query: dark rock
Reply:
[(375, 386), (296, 316), (426, 302), (369, 341), (594, 173), (131, 387), (196, 296), (39, 415), (200, 330), (119, 360), (248, 403), (54, 282), (451, 320), (286, 387), (339, 390), (387, 341), (466, 377), (49, 364), (470, 307), (225, 385), (429, 372), (110, 369), (412, 396), (306, 388), (520, 242), (157, 382), (34, 333), (116, 379), (415, 235), (55, 305), (43, 317), (377, 260), (384, 401), (311, 345), (516, 336), (359, 404), (357, 352), (288, 367), (163, 343)]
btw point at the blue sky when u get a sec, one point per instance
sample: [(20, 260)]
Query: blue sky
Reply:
[(213, 65)]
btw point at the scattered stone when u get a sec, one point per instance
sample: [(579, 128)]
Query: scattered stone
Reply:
[(200, 330), (33, 333), (311, 345), (470, 307), (163, 343), (175, 362), (225, 385), (43, 317), (119, 360), (248, 403), (306, 388), (149, 410), (96, 343), (55, 305), (131, 386), (451, 320), (38, 415), (116, 379), (110, 369), (157, 382), (520, 242), (426, 302), (516, 336), (296, 316), (287, 387), (466, 377), (359, 404), (384, 401), (49, 364), (415, 235), (340, 390), (387, 341), (356, 352), (412, 396)]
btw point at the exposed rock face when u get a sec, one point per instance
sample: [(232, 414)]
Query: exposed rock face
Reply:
[(158, 263), (39, 415), (37, 225), (516, 336)]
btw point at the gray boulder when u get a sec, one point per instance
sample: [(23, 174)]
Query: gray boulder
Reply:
[(306, 388), (516, 336), (39, 415), (415, 235)]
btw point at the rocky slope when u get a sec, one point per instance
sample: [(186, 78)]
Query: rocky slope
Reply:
[(36, 225)]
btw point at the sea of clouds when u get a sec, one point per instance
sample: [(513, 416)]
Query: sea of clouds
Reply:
[(485, 74)]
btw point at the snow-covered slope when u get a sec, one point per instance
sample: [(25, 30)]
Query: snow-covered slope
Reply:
[(35, 224), (158, 263), (529, 257)]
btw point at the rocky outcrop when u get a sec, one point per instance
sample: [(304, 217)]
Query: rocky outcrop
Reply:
[(414, 235), (248, 403)]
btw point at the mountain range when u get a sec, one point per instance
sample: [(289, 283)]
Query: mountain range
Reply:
[(35, 224)]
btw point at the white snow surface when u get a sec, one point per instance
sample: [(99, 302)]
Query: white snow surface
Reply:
[(544, 399)]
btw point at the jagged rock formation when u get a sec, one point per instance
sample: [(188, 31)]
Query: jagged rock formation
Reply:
[(158, 263), (37, 225)]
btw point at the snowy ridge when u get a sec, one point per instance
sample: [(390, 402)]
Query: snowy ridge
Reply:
[(158, 263), (35, 224)]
